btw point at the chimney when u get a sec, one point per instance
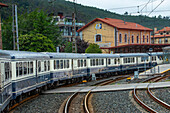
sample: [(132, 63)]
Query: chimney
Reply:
[(155, 29)]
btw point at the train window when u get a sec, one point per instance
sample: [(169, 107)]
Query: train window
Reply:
[(17, 66), (133, 60), (81, 63), (65, 63), (93, 62), (109, 61), (124, 60), (115, 61), (128, 60), (68, 64), (118, 61), (39, 66), (20, 68), (78, 61), (31, 67), (58, 64), (61, 64), (54, 64), (28, 67), (97, 62), (45, 66), (48, 65), (102, 61), (25, 67), (7, 70), (84, 63)]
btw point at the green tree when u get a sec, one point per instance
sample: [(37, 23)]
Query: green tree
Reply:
[(36, 22), (93, 48), (35, 43), (68, 47)]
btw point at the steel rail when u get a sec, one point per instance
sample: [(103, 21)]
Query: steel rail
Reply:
[(66, 108), (166, 105), (141, 103), (86, 109)]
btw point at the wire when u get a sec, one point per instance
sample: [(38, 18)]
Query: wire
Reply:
[(145, 5), (156, 7)]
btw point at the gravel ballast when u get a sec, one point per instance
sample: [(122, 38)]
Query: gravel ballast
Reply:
[(43, 104), (117, 102)]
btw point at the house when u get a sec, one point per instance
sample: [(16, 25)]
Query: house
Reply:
[(162, 36), (1, 5), (111, 34), (65, 25)]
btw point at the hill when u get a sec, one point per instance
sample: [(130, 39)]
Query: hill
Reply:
[(84, 13)]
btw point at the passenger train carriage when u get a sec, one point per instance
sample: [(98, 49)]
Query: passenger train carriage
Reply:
[(67, 66), (23, 73)]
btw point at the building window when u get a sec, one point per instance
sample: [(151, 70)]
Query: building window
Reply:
[(120, 38), (125, 38), (167, 33), (166, 40), (159, 41), (147, 38), (137, 39), (132, 39), (143, 38), (98, 38), (161, 33)]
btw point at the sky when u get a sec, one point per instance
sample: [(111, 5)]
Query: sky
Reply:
[(120, 6)]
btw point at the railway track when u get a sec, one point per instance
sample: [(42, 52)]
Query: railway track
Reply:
[(164, 106), (86, 104)]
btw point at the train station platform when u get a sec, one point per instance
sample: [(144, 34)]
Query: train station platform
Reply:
[(159, 69), (108, 87)]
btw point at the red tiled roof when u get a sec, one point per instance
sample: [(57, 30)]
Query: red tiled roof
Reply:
[(3, 5), (158, 36), (162, 30), (120, 24)]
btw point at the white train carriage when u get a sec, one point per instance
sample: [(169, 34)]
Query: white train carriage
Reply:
[(102, 63), (133, 61), (5, 82), (25, 77), (156, 58), (65, 66)]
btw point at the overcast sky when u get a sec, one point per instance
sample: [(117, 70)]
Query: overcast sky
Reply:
[(119, 6)]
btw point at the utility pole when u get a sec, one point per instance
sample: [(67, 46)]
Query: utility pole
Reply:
[(15, 27), (1, 5), (74, 44)]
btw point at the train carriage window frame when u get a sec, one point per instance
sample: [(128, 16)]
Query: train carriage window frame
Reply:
[(61, 64), (94, 62), (81, 62), (97, 62), (85, 63), (31, 67), (39, 66), (25, 67), (48, 65), (91, 62), (109, 61)]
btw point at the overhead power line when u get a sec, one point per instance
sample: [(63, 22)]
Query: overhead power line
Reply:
[(132, 6), (156, 7)]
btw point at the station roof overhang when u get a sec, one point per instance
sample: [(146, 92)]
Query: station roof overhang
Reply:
[(136, 46)]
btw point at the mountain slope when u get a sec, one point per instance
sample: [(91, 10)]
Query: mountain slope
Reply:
[(84, 13)]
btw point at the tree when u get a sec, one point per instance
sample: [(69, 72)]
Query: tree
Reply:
[(81, 45), (36, 22), (68, 47), (93, 48), (35, 43)]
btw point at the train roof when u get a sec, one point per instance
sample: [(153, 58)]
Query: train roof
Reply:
[(133, 54), (66, 55), (156, 53), (10, 54), (102, 55)]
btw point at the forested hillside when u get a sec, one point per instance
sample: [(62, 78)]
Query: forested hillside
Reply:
[(84, 13)]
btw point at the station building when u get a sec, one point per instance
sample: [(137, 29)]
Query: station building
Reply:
[(162, 36), (118, 36), (1, 5)]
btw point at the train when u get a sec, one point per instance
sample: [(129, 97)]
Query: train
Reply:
[(23, 73)]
